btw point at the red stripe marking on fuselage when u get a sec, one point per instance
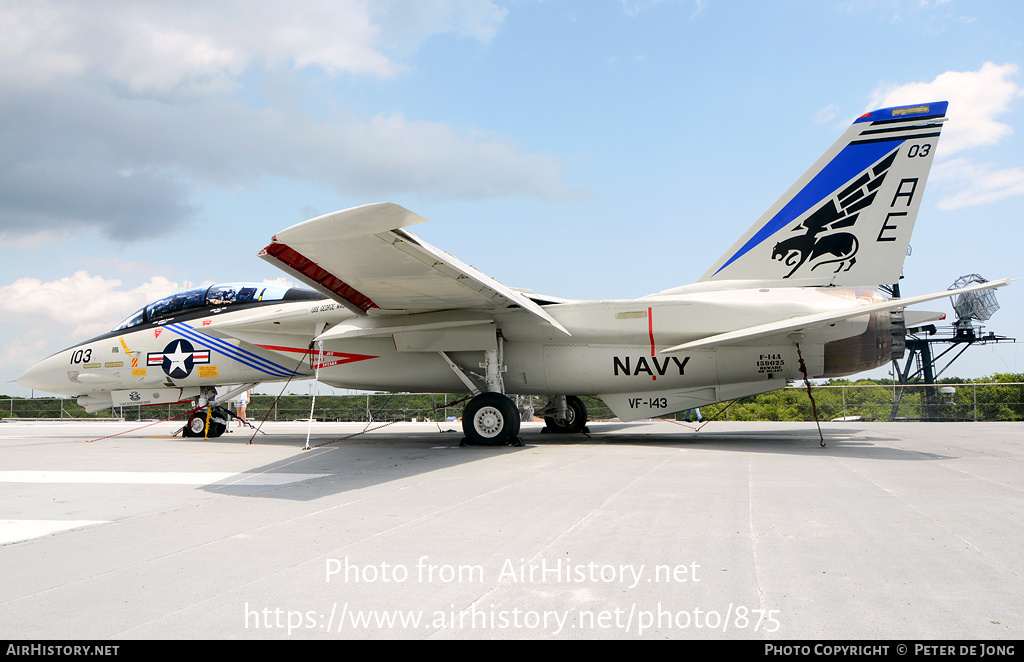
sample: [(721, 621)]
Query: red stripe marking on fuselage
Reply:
[(650, 332), (343, 357)]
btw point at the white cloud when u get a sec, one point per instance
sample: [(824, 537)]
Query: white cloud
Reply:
[(53, 314), (406, 25), (127, 167), (973, 184), (281, 281), (976, 99), (198, 47), (632, 8), (39, 318), (115, 112), (977, 102), (78, 305), (17, 352), (827, 114), (22, 238)]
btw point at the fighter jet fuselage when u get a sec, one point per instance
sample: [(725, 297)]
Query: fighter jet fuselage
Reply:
[(795, 297)]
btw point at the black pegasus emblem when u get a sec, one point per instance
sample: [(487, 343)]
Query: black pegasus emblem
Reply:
[(823, 240)]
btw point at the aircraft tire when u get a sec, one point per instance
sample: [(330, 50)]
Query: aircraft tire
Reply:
[(490, 419), (217, 428), (196, 426), (577, 420)]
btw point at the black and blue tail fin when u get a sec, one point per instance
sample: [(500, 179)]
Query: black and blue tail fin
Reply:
[(848, 219)]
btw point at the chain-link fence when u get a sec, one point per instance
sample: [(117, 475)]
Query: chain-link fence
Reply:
[(940, 402), (920, 402), (366, 407), (913, 402)]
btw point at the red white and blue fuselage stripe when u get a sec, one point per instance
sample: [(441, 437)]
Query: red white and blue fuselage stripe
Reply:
[(225, 348)]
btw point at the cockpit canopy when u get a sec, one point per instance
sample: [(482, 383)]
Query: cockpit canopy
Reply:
[(223, 294)]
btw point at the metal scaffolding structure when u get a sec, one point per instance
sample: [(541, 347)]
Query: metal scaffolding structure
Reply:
[(928, 345)]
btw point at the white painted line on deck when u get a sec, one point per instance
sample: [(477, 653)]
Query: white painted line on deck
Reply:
[(16, 530), (153, 477)]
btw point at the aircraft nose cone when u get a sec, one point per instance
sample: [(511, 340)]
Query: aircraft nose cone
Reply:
[(45, 376)]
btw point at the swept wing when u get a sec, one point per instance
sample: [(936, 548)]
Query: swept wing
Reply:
[(364, 259)]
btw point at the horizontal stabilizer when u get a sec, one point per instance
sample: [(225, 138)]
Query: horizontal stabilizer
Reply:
[(797, 324), (914, 318)]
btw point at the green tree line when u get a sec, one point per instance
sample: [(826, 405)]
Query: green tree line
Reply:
[(998, 397)]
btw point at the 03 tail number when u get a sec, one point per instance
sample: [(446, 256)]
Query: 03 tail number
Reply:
[(919, 150)]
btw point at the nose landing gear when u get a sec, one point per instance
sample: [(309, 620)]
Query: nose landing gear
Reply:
[(208, 423)]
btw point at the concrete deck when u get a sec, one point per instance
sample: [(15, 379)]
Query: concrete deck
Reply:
[(650, 530)]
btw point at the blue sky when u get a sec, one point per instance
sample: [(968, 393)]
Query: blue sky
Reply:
[(598, 149)]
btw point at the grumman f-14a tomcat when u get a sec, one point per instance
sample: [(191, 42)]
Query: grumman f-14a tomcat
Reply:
[(390, 312)]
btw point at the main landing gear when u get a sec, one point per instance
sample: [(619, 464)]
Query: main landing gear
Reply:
[(565, 414), (491, 418)]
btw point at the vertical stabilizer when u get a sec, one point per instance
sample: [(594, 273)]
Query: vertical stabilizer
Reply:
[(847, 220)]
